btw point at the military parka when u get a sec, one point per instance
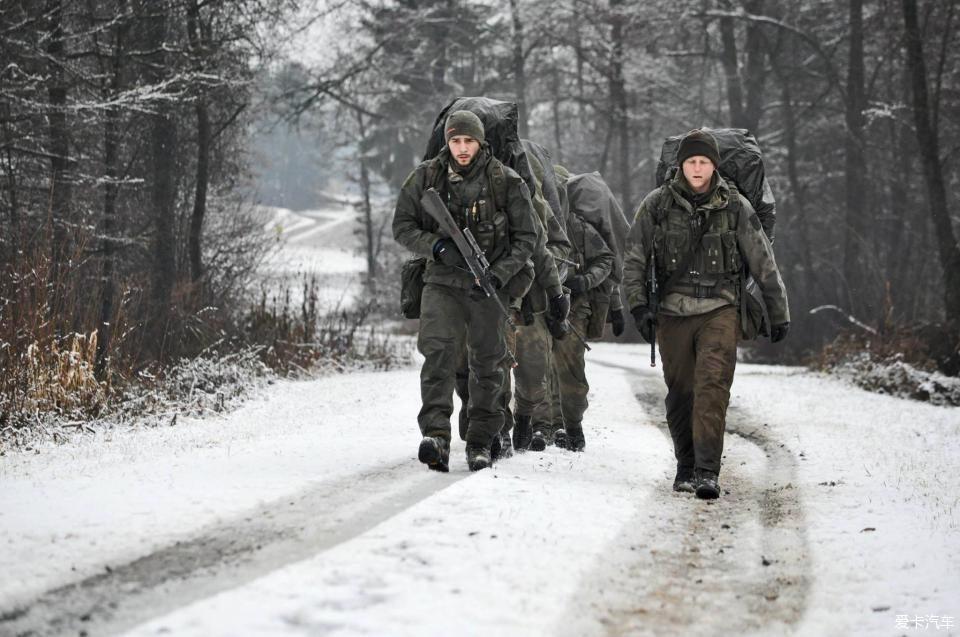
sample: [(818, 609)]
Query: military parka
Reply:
[(666, 223), (506, 231)]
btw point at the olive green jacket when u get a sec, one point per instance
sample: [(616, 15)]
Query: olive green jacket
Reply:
[(506, 231), (665, 224)]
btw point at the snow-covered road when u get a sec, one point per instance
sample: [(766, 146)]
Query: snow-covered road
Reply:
[(306, 513)]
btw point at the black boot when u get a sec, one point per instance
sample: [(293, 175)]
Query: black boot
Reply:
[(478, 457), (560, 438), (575, 438), (538, 442), (522, 435), (506, 445), (685, 482), (435, 453), (707, 486)]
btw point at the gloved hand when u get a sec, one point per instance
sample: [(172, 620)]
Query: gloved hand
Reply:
[(559, 307), (646, 322), (577, 284), (616, 318), (445, 251), (477, 293), (558, 329), (779, 332)]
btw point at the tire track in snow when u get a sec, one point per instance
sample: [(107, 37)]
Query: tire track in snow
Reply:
[(685, 566), (228, 554)]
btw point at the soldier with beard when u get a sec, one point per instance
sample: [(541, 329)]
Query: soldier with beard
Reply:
[(493, 202)]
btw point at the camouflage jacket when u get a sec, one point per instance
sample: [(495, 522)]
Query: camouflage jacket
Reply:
[(505, 230), (595, 260), (666, 223)]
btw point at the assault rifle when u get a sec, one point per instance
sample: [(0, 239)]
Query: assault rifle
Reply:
[(653, 302), (470, 249)]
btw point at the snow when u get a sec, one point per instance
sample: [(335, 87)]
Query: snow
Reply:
[(840, 513), (320, 243)]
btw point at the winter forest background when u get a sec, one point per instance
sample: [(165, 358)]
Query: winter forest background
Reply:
[(140, 140)]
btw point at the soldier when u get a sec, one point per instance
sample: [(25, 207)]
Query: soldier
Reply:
[(484, 195), (701, 234), (595, 261)]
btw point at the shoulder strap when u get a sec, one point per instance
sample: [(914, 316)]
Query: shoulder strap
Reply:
[(498, 185)]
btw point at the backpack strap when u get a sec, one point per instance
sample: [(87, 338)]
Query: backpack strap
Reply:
[(498, 185)]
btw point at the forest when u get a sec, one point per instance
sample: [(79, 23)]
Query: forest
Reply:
[(129, 234)]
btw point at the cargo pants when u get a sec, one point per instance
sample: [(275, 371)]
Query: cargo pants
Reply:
[(451, 322), (699, 356)]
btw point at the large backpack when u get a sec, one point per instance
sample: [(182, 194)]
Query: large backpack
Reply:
[(500, 130), (741, 162), (591, 198)]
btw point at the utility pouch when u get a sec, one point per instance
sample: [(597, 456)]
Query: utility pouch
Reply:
[(411, 287), (731, 254), (712, 253), (675, 247)]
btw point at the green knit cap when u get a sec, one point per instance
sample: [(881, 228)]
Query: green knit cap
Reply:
[(463, 123)]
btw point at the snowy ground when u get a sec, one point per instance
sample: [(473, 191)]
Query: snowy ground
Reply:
[(321, 243), (306, 513)]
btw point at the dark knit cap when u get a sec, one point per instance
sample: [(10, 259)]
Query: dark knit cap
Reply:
[(699, 142), (463, 123)]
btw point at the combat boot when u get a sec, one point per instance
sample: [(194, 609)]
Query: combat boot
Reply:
[(575, 439), (435, 453), (560, 438), (496, 448), (707, 486), (478, 457), (538, 442), (522, 435), (506, 445), (684, 482)]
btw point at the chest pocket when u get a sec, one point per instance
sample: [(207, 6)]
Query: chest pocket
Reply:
[(675, 244), (491, 230)]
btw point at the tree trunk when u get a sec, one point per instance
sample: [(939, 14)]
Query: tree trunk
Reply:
[(860, 299), (163, 153), (519, 70), (731, 71), (367, 208), (620, 122), (111, 129), (928, 141), (557, 127), (755, 71), (60, 195), (197, 44)]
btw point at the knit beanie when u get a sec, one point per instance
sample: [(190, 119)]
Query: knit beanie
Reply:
[(698, 142), (463, 123)]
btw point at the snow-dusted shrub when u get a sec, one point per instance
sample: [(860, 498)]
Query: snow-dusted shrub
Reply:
[(896, 377), (909, 363)]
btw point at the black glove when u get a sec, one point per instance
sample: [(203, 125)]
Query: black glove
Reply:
[(559, 307), (558, 329), (477, 293), (445, 251), (646, 322), (577, 284), (779, 332), (616, 317)]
